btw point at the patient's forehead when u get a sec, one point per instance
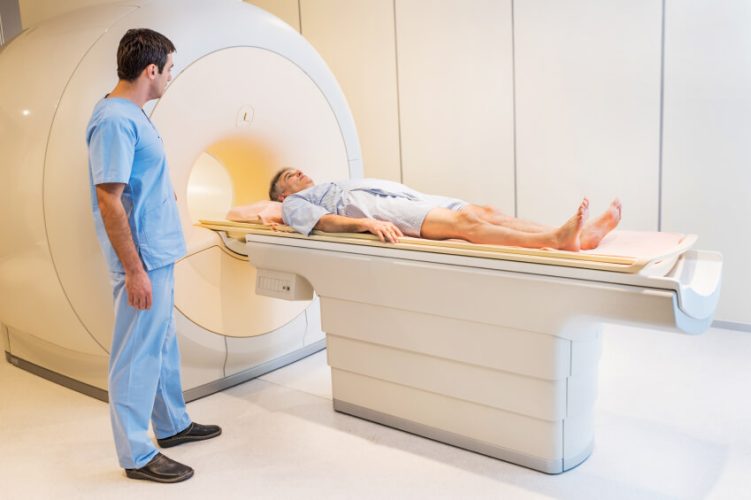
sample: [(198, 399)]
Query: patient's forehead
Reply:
[(287, 174)]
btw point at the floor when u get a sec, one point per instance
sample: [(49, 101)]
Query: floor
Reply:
[(673, 421)]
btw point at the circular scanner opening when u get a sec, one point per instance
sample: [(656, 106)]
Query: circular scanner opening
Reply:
[(231, 172), (229, 121)]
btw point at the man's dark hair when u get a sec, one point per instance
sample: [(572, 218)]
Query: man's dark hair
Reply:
[(274, 191), (139, 48)]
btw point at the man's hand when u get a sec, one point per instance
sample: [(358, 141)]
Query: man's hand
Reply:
[(138, 288), (386, 231)]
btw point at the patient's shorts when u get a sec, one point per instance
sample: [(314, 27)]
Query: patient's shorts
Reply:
[(406, 214)]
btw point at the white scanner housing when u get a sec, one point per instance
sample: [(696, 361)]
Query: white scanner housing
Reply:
[(249, 96)]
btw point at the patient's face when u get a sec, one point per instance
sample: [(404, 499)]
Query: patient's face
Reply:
[(293, 181)]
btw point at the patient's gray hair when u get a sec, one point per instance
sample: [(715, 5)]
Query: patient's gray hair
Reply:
[(274, 190)]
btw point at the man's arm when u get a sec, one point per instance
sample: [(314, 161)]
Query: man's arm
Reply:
[(137, 283), (386, 231)]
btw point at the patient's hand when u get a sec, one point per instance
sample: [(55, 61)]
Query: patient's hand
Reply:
[(386, 231)]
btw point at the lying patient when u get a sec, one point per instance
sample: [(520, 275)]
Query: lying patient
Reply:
[(389, 210)]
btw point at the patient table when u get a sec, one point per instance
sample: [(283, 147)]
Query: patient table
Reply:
[(491, 349)]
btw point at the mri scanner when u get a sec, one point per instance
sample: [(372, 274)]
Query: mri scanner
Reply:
[(249, 95), (494, 350)]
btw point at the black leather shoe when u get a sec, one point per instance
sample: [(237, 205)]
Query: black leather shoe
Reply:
[(162, 470), (194, 432)]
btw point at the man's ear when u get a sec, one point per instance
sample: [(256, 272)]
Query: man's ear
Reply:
[(151, 71)]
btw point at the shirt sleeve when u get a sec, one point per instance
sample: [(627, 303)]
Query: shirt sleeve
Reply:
[(301, 214), (112, 145)]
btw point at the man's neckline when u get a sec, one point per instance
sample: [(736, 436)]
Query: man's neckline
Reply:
[(108, 97)]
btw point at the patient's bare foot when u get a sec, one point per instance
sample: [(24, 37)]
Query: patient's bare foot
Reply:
[(596, 230), (568, 234)]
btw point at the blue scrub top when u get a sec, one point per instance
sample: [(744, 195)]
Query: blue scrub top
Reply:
[(125, 147)]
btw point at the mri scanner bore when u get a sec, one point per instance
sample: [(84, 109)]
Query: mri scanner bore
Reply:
[(248, 96)]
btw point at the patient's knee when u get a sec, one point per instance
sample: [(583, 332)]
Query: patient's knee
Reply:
[(467, 221), (484, 212)]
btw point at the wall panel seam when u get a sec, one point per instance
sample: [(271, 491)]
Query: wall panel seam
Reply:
[(299, 14), (398, 97), (662, 121), (513, 110)]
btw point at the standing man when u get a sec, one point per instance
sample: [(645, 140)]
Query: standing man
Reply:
[(139, 230)]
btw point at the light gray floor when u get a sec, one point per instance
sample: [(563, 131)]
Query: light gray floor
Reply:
[(673, 421)]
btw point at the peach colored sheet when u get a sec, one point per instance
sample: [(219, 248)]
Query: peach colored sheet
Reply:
[(644, 244)]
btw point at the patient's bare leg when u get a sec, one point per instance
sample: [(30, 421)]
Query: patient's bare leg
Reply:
[(594, 231), (441, 224), (495, 216)]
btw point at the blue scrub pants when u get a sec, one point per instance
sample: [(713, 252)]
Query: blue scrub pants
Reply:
[(144, 373)]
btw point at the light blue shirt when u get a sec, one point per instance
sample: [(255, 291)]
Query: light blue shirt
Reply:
[(303, 210), (124, 147)]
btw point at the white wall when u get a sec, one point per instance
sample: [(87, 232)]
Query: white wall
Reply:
[(286, 10), (707, 132), (456, 98), (588, 107), (531, 104), (356, 38)]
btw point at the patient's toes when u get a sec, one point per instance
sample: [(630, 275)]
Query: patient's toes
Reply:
[(583, 210), (617, 208), (596, 230), (611, 217)]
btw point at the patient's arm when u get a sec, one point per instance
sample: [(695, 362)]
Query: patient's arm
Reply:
[(386, 231)]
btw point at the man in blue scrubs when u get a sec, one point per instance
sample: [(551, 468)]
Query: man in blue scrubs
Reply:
[(139, 230)]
